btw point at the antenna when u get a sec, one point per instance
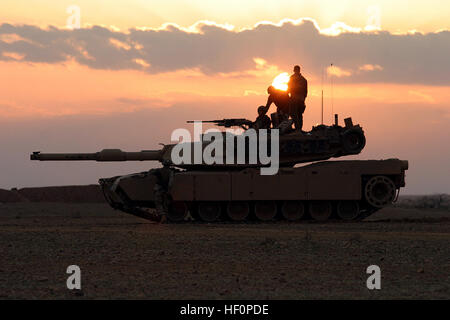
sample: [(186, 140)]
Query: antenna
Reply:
[(322, 93), (332, 97)]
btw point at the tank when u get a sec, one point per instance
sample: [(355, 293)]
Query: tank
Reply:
[(321, 190)]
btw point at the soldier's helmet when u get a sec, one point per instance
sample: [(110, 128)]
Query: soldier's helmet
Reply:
[(261, 110)]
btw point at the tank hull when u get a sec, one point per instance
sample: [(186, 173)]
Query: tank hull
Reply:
[(341, 189)]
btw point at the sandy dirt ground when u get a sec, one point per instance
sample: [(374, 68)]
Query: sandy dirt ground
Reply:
[(125, 257)]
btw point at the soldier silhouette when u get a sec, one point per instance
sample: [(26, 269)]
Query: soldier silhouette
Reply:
[(262, 121), (298, 91), (278, 97), (281, 100)]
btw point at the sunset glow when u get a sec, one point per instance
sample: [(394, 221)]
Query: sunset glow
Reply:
[(281, 81)]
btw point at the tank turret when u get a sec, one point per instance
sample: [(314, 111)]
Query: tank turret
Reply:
[(321, 143)]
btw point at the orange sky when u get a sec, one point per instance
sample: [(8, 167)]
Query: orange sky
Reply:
[(31, 94), (51, 90)]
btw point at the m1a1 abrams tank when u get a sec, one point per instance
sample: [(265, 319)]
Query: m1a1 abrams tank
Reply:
[(323, 190)]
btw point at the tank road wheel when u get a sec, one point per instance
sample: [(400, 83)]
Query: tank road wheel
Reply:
[(209, 211), (380, 191), (348, 210), (177, 211), (238, 211), (293, 210), (320, 210), (265, 210)]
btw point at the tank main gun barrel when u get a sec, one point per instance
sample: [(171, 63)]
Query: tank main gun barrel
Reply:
[(102, 156)]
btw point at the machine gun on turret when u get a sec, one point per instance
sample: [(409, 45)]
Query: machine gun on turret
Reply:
[(228, 123)]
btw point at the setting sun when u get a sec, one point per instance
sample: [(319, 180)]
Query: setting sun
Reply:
[(281, 81)]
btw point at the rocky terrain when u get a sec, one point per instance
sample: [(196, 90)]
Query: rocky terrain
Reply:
[(121, 256)]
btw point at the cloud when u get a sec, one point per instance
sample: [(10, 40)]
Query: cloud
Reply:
[(338, 72), (370, 67), (367, 57), (425, 97), (12, 56)]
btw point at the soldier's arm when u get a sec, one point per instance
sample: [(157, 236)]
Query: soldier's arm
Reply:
[(268, 104)]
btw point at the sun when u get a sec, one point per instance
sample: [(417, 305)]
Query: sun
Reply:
[(281, 81)]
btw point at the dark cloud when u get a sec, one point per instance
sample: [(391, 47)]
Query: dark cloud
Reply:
[(367, 57)]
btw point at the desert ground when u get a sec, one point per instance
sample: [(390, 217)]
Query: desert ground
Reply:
[(121, 256)]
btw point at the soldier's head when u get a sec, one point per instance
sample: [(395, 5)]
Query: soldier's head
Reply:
[(297, 69), (261, 110), (271, 90)]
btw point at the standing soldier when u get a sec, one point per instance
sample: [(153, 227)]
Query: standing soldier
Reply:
[(298, 90)]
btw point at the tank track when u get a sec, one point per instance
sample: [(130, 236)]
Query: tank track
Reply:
[(119, 201), (192, 214)]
